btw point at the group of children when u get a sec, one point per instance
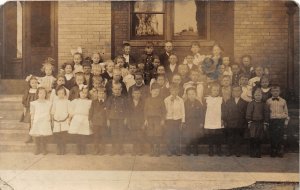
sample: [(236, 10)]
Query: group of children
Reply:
[(158, 101)]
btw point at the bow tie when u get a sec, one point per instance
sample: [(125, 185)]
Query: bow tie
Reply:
[(275, 99)]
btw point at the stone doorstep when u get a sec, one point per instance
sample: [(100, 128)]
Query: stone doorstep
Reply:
[(20, 146)]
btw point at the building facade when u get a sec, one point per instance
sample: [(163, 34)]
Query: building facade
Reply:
[(266, 30)]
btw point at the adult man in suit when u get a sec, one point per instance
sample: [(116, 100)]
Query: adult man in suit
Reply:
[(164, 58)]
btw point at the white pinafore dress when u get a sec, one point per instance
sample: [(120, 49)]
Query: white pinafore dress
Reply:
[(80, 121), (41, 124)]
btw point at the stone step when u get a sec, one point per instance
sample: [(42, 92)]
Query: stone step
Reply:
[(11, 98), (12, 86), (11, 114), (13, 135), (71, 148), (11, 105), (13, 125)]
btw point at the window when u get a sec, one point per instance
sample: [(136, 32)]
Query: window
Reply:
[(169, 20), (147, 20), (189, 24)]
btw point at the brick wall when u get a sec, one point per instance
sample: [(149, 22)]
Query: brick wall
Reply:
[(85, 24), (261, 30)]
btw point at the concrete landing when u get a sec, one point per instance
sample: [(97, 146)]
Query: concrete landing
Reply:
[(26, 171)]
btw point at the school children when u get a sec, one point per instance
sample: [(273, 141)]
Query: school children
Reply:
[(116, 81), (97, 83), (60, 118), (235, 74), (154, 114), (29, 96), (147, 58), (235, 121), (77, 61), (129, 59), (109, 68), (59, 82), (257, 116), (139, 84), (214, 123), (40, 119), (194, 116), (226, 88), (164, 57), (69, 76), (80, 124), (172, 68), (265, 88), (278, 121), (97, 116), (175, 119), (117, 113), (79, 80), (136, 120)]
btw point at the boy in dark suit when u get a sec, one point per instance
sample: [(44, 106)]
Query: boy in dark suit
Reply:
[(117, 117), (129, 59), (79, 80), (235, 121), (136, 120), (87, 68), (154, 114), (164, 58), (97, 116), (138, 77), (116, 81), (172, 68), (194, 116), (147, 58)]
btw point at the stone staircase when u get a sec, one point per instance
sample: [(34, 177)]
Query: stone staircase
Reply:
[(13, 133)]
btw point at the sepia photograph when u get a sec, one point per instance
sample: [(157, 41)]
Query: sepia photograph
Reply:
[(149, 95)]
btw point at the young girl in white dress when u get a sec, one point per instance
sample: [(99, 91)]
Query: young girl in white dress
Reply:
[(61, 81), (213, 120), (80, 125), (41, 121), (60, 118)]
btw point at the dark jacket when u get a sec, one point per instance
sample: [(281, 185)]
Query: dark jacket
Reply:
[(135, 113), (108, 88), (154, 107), (70, 83), (98, 113), (144, 90), (117, 107), (164, 59), (106, 76), (74, 93), (169, 72), (194, 113), (257, 111), (235, 113)]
